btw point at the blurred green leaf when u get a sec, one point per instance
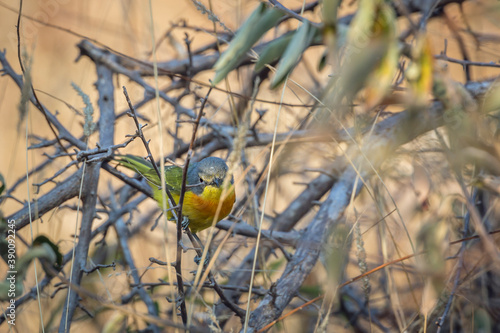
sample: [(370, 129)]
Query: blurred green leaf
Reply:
[(41, 239), (116, 323), (300, 41), (42, 252), (369, 57), (383, 34), (273, 51), (259, 22), (361, 29), (334, 256), (352, 78), (433, 241), (482, 321), (355, 74), (380, 81), (492, 99), (311, 290), (12, 285), (330, 8)]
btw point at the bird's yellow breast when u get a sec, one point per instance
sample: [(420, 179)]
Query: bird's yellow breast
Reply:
[(201, 209)]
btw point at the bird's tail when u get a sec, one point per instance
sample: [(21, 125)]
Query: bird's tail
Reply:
[(136, 163)]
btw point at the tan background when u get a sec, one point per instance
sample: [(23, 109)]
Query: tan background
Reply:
[(125, 26)]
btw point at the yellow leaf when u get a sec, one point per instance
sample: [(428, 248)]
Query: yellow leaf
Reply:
[(420, 72)]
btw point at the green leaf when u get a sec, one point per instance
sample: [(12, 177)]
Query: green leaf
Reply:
[(330, 8), (482, 321), (300, 41), (432, 239), (370, 58), (492, 99), (42, 252), (311, 290), (334, 256), (41, 239), (43, 249), (259, 22), (116, 323), (273, 51), (361, 28), (420, 73)]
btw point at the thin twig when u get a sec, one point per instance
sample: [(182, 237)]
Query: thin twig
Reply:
[(178, 262), (293, 13), (467, 62), (32, 90), (465, 54), (99, 266), (123, 236), (178, 267), (146, 144)]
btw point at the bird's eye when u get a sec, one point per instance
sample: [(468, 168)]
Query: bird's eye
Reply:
[(201, 180)]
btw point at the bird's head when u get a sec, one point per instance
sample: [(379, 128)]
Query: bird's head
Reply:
[(212, 171)]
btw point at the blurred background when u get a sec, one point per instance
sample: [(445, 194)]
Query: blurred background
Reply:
[(413, 201)]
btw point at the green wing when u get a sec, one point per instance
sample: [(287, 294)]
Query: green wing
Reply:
[(173, 174), (173, 178)]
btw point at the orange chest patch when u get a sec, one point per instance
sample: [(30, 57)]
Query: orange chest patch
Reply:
[(201, 209), (209, 205)]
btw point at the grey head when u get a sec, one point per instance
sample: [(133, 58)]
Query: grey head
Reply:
[(210, 171)]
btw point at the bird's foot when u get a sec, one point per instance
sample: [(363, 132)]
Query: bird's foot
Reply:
[(185, 222), (197, 260)]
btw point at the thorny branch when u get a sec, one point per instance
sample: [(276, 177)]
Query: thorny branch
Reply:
[(341, 181), (178, 262)]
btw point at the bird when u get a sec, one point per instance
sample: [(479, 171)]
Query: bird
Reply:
[(204, 188)]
